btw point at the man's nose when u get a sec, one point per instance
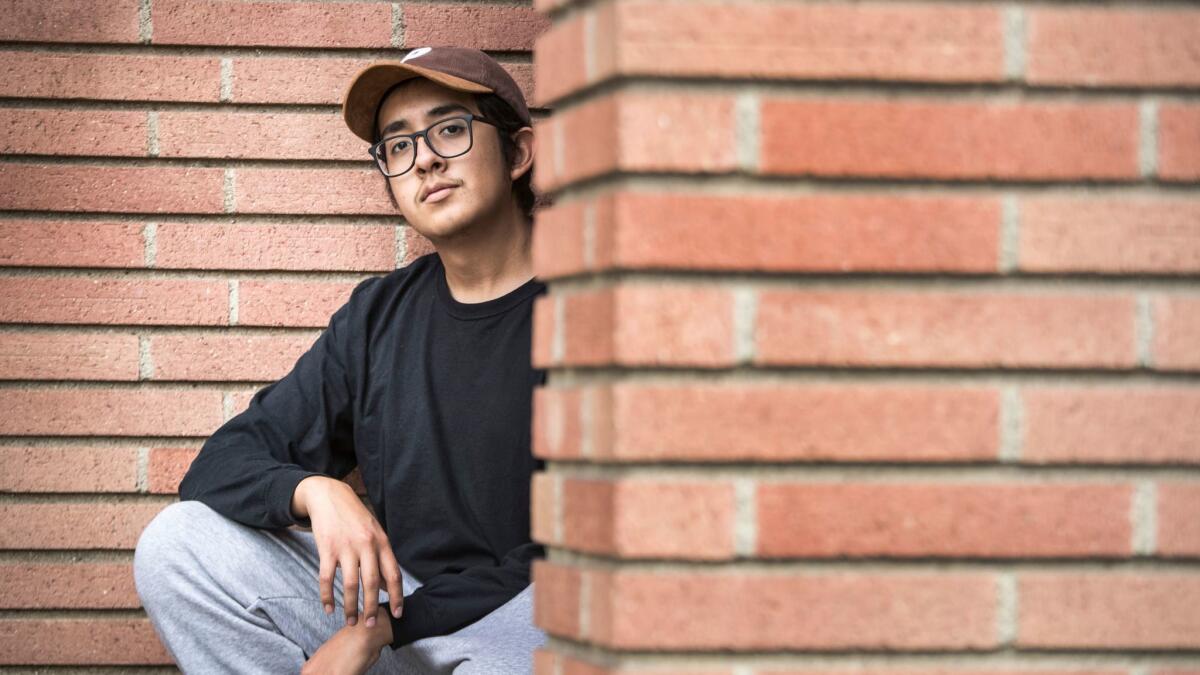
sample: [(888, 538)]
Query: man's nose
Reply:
[(426, 157)]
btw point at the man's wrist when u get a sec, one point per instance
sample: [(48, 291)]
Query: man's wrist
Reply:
[(381, 632)]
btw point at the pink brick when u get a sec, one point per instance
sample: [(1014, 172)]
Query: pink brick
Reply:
[(68, 355), (123, 411), (958, 139), (297, 246), (1178, 527), (1176, 332), (93, 641), (291, 303), (73, 133), (138, 301), (919, 519), (227, 356), (109, 77), (1179, 142), (1128, 46), (1113, 235), (49, 526), (60, 468), (273, 24), (490, 27), (945, 329), (132, 189), (1113, 424), (91, 21), (312, 191), (75, 585), (71, 243)]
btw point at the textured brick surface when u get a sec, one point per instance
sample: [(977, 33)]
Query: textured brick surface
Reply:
[(91, 585), (108, 300), (68, 355), (61, 468), (112, 21), (297, 246), (67, 243)]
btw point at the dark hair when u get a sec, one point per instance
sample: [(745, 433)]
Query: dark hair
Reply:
[(494, 108)]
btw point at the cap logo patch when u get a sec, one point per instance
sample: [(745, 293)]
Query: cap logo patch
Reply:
[(415, 53)]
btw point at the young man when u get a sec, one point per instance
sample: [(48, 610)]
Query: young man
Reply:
[(423, 380)]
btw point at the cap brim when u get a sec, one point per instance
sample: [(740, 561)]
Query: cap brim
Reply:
[(366, 90)]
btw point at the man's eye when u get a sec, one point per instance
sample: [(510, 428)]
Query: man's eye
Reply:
[(400, 146), (452, 129)]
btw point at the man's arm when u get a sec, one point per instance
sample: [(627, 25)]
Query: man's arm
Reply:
[(447, 602), (296, 427)]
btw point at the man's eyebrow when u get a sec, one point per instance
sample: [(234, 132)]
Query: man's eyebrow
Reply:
[(436, 110)]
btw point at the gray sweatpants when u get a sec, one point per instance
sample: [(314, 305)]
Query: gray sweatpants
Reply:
[(228, 598)]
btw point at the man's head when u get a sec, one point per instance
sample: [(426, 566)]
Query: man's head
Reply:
[(493, 171)]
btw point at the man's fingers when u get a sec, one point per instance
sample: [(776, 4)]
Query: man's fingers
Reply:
[(350, 589), (325, 577), (393, 579), (370, 582)]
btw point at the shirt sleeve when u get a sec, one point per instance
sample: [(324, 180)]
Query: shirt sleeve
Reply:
[(296, 427), (447, 602)]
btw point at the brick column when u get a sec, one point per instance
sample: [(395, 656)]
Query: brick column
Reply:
[(872, 337)]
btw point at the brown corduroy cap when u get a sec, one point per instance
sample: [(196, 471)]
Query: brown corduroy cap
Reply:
[(459, 68)]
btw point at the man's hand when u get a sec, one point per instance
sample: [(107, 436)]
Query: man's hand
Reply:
[(348, 536), (352, 650)]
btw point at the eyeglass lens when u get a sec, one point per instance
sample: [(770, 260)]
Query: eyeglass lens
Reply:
[(448, 138)]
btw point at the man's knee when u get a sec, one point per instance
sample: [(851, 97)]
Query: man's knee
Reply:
[(165, 549)]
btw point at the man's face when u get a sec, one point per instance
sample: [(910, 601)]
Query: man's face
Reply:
[(481, 184)]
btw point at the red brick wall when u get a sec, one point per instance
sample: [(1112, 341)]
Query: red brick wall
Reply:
[(183, 208), (873, 337)]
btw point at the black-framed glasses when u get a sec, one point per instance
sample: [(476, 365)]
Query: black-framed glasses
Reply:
[(449, 137)]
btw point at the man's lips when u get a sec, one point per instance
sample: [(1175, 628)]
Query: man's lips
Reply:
[(439, 194), (438, 188)]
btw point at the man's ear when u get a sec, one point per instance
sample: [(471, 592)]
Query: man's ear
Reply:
[(525, 147)]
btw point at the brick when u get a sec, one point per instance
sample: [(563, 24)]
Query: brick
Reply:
[(922, 520), (646, 325), (109, 77), (818, 233), (1111, 425), (559, 59), (649, 518), (1113, 46), (311, 191), (488, 27), (258, 135), (1122, 236), (541, 507), (240, 397), (735, 610), (556, 601), (415, 246), (166, 467), (68, 355), (297, 246), (1176, 332), (779, 41), (76, 585), (558, 422), (1178, 142), (945, 329), (98, 641), (137, 301), (125, 189), (227, 356), (694, 133), (73, 133), (1107, 610), (38, 468), (1178, 527), (319, 80), (291, 303), (272, 24), (770, 422), (123, 411), (959, 140), (50, 526), (71, 243), (91, 21)]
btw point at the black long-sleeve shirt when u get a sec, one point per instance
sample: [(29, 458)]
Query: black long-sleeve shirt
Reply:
[(432, 398)]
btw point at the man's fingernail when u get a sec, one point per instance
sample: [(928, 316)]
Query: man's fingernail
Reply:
[(353, 620), (370, 621), (329, 609)]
